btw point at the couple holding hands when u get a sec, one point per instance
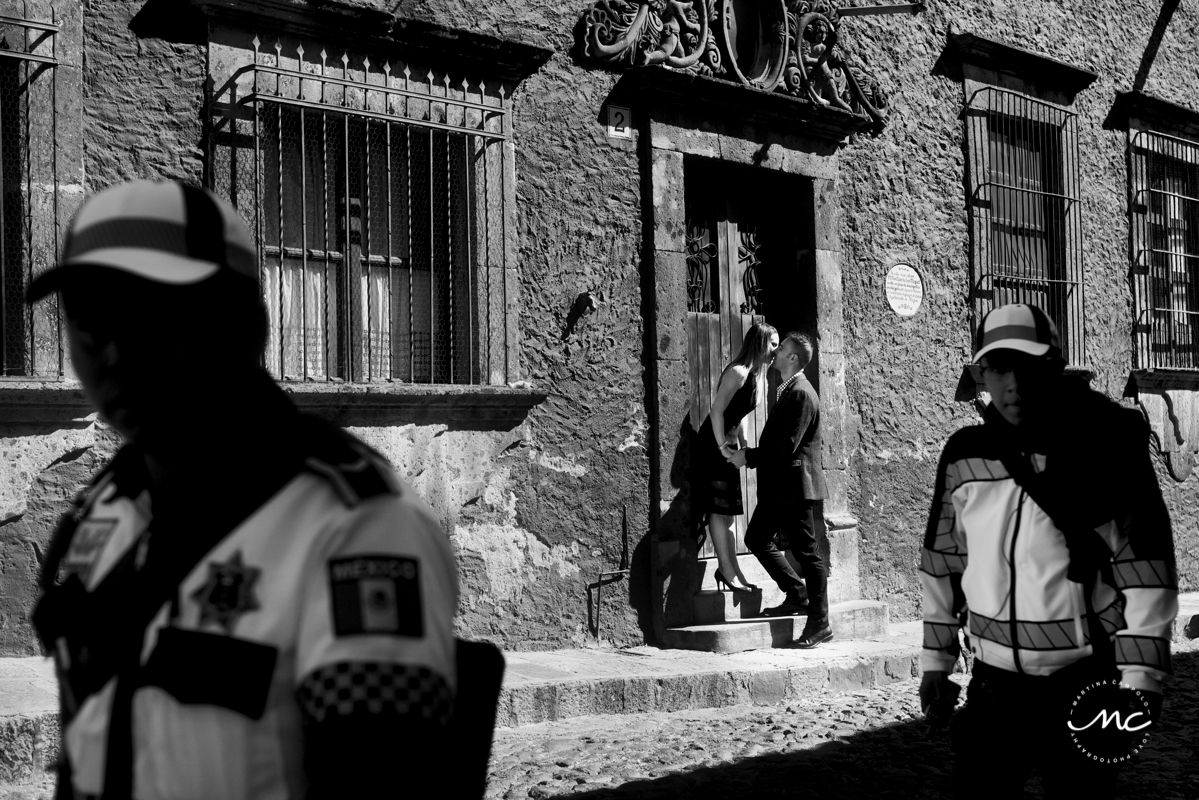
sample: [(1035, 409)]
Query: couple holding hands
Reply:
[(790, 477)]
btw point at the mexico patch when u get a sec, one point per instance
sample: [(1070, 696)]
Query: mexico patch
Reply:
[(89, 539), (375, 595)]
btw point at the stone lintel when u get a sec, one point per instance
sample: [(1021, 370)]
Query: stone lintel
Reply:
[(739, 142), (704, 97), (1137, 109), (425, 42), (1039, 70)]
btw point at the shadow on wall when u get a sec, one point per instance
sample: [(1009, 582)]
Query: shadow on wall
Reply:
[(679, 524), (903, 761), (605, 593)]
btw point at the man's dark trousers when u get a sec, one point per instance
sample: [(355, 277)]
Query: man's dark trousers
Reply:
[(797, 520), (1012, 724)]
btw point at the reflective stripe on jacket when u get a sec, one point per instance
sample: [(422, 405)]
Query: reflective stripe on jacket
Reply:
[(991, 549)]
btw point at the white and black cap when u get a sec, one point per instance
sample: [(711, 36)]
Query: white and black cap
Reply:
[(163, 231)]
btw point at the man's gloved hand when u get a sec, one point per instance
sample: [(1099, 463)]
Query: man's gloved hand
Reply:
[(938, 696), (933, 688)]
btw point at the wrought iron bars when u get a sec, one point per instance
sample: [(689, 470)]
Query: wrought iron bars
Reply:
[(381, 218), (702, 289), (32, 337), (1164, 187), (1026, 223), (750, 263)]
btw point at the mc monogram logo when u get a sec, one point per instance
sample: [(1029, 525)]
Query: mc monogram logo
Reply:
[(1107, 725)]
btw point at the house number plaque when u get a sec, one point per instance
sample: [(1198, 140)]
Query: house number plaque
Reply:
[(905, 290)]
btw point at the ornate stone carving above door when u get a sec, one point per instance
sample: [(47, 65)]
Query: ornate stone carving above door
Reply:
[(786, 46)]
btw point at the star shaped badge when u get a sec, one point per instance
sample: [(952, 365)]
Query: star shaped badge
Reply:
[(228, 593)]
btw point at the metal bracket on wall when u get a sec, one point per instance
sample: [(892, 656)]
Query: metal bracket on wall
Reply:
[(599, 594), (618, 573)]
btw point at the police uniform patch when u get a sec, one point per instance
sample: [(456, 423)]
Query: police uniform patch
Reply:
[(376, 594), (228, 593), (86, 544)]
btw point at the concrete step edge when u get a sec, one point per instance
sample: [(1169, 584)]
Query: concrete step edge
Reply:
[(852, 620), (562, 699)]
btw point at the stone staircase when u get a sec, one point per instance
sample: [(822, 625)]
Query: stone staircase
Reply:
[(728, 622)]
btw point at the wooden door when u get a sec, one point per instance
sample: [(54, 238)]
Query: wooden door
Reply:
[(723, 265)]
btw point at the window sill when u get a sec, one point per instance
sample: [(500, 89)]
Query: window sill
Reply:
[(486, 407), (40, 401), (1160, 379), (62, 402)]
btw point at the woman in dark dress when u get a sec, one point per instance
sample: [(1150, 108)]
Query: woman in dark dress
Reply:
[(716, 483)]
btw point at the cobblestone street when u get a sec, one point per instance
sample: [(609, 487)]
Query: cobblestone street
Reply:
[(862, 745)]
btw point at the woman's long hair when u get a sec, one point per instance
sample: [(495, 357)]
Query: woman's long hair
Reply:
[(755, 353)]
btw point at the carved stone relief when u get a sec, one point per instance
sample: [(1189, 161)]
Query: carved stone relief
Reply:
[(674, 33), (789, 46)]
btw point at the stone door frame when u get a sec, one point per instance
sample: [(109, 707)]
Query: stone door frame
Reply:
[(666, 137)]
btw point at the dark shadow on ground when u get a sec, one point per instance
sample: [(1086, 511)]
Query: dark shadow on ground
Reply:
[(903, 761)]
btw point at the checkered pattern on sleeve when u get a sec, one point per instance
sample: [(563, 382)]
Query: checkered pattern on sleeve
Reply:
[(352, 688)]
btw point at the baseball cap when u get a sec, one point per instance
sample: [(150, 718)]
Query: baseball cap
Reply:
[(162, 231), (1020, 327)]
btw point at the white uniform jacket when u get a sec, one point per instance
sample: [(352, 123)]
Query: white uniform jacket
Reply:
[(992, 551), (336, 595)]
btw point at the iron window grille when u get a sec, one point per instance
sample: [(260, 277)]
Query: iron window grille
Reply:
[(1164, 178), (32, 337), (379, 201), (1026, 225)]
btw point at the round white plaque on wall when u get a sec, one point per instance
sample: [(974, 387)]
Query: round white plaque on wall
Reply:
[(905, 290)]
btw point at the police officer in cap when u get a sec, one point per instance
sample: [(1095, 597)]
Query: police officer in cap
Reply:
[(246, 602)]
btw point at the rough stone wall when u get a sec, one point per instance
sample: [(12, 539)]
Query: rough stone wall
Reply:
[(44, 465), (904, 196), (536, 511), (564, 494), (142, 101)]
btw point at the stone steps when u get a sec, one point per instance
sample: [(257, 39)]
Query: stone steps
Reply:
[(28, 728), (542, 686), (729, 627)]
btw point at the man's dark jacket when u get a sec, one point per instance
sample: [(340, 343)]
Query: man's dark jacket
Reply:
[(787, 457)]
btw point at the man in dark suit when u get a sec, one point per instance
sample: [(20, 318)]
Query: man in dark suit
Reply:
[(790, 481)]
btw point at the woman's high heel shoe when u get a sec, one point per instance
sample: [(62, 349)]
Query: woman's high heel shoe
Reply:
[(720, 579)]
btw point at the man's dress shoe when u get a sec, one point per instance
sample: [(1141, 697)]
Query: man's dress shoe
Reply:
[(788, 608), (813, 635)]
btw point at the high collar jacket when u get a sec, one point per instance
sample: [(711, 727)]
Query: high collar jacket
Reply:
[(992, 552)]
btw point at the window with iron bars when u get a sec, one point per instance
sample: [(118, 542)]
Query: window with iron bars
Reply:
[(1025, 218), (378, 193), (1164, 183), (32, 337)]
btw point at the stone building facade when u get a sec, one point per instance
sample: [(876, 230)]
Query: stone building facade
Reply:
[(585, 207)]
